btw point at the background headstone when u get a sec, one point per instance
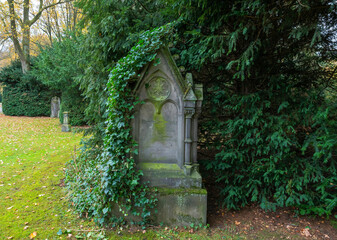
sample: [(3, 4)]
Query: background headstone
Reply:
[(55, 107)]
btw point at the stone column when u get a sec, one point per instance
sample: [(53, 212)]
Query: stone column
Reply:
[(195, 136), (188, 141), (198, 88)]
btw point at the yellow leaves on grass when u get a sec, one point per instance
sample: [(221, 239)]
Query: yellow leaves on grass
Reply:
[(29, 194), (32, 235)]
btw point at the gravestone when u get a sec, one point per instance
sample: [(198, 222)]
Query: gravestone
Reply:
[(55, 107), (165, 127)]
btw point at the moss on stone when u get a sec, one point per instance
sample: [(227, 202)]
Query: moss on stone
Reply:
[(159, 125), (181, 191), (159, 166)]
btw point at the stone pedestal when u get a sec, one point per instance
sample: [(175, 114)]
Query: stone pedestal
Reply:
[(181, 206), (165, 127), (65, 125), (176, 207)]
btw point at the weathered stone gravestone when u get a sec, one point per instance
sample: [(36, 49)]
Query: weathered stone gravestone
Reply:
[(55, 107), (165, 127), (65, 125)]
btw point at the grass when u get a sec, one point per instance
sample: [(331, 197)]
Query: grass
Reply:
[(33, 152)]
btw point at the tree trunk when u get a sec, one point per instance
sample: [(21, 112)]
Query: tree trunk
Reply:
[(23, 48), (25, 61)]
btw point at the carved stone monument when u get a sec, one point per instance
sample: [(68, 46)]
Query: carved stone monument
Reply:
[(55, 107), (65, 125), (166, 127)]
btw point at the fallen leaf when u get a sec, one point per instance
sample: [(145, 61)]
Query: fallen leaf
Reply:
[(237, 223), (26, 227), (305, 232), (32, 235), (10, 208)]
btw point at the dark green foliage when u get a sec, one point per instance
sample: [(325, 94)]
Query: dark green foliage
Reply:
[(73, 102), (57, 67), (23, 95), (265, 70)]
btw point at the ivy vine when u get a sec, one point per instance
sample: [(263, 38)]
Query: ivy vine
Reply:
[(112, 180)]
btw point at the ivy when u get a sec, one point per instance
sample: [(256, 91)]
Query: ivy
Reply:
[(111, 181)]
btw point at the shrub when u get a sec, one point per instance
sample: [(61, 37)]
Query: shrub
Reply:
[(57, 68), (22, 94), (73, 102)]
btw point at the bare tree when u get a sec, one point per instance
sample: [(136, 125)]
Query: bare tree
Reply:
[(19, 25), (58, 19)]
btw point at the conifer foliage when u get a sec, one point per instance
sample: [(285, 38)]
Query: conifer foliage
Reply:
[(267, 70)]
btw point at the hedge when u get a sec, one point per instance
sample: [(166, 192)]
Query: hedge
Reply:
[(23, 95)]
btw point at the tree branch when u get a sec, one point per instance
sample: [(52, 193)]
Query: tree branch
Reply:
[(41, 9), (8, 15), (143, 6)]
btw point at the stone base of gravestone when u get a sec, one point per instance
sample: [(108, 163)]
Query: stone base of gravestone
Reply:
[(170, 175), (176, 207), (181, 206)]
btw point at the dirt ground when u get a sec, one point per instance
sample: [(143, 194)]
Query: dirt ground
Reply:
[(253, 222)]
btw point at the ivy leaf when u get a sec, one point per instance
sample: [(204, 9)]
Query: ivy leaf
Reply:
[(105, 210)]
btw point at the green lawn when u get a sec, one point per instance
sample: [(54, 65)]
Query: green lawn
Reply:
[(33, 152)]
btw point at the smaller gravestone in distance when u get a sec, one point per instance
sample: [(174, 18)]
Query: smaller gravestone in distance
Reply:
[(55, 107), (65, 125)]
